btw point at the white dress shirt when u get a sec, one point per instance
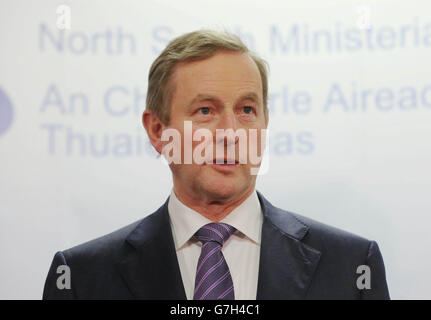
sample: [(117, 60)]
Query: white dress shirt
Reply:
[(241, 250)]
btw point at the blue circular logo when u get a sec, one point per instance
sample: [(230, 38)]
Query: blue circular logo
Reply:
[(6, 112)]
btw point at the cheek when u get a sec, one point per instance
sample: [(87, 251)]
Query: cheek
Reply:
[(187, 173), (256, 141)]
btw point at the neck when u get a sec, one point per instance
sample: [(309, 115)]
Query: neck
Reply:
[(213, 209)]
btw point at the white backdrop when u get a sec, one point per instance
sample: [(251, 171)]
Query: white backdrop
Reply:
[(350, 122)]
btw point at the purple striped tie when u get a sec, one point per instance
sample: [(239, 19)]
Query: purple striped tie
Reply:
[(213, 280)]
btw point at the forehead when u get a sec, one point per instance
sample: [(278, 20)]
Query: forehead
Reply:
[(226, 73)]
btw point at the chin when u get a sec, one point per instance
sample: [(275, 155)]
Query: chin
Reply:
[(222, 188)]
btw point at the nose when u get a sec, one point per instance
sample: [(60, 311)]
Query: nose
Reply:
[(228, 121)]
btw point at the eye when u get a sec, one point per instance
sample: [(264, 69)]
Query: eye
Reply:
[(205, 110), (247, 109)]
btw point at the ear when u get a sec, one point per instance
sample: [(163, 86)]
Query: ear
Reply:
[(154, 128)]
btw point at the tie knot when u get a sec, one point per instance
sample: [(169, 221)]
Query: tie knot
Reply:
[(215, 231)]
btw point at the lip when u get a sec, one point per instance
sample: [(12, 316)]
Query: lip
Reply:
[(225, 161), (224, 167)]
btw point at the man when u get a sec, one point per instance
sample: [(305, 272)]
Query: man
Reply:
[(216, 237)]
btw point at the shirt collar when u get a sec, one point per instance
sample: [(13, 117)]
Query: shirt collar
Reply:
[(246, 218)]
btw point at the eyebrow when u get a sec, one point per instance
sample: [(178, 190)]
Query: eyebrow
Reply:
[(202, 97), (249, 96), (205, 97)]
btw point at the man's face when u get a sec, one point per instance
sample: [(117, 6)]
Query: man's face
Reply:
[(220, 92)]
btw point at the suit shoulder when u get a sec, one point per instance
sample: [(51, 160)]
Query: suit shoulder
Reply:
[(105, 245), (301, 227), (324, 236), (113, 246), (327, 230)]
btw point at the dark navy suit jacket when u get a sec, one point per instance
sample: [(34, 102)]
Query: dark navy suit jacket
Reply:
[(299, 259)]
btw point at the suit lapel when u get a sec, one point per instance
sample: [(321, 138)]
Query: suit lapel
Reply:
[(286, 264), (151, 268)]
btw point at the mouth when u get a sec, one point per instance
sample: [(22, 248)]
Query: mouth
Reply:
[(225, 165), (225, 162)]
